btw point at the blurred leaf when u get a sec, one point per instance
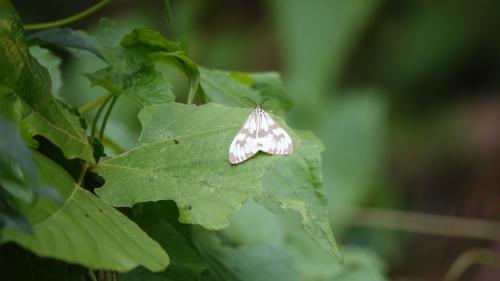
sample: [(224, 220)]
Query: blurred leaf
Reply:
[(25, 94), (314, 264), (52, 63), (354, 130), (84, 230), (312, 261), (18, 176), (18, 179), (361, 264), (317, 38), (64, 37), (183, 156), (254, 224), (431, 46), (301, 174), (10, 217), (246, 263), (251, 263), (235, 88)]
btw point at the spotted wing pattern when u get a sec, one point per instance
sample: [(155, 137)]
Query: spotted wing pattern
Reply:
[(244, 145), (259, 132), (272, 138)]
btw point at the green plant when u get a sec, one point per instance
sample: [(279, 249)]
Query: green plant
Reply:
[(152, 212)]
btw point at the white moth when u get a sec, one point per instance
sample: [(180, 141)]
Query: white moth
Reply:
[(259, 133)]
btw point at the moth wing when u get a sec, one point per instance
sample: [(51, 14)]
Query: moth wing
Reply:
[(244, 144), (272, 138)]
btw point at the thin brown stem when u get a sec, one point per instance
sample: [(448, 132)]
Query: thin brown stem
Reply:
[(470, 257), (426, 223)]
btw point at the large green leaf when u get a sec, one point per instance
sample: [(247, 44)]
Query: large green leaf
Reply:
[(235, 88), (183, 156), (300, 173), (84, 230), (25, 93)]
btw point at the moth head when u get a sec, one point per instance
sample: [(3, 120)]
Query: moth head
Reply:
[(259, 105)]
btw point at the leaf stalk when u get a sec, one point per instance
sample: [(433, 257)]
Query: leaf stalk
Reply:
[(89, 106)]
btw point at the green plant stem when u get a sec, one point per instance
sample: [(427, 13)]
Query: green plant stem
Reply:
[(106, 116), (79, 16), (466, 259), (112, 145), (97, 115), (92, 275), (89, 106)]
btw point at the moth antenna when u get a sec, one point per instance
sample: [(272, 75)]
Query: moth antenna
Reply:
[(250, 100), (263, 100)]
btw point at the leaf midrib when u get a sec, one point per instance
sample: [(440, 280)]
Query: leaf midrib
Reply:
[(145, 145)]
